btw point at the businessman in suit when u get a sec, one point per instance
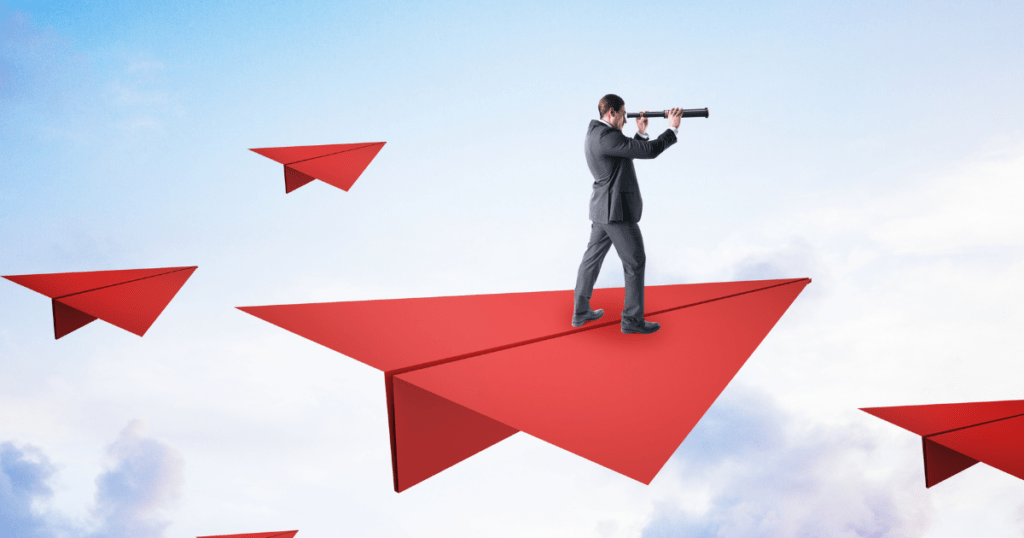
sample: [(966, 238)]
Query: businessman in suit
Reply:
[(615, 208)]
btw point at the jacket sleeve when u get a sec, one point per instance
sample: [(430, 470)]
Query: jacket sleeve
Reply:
[(615, 144)]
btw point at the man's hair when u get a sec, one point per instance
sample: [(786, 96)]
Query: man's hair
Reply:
[(610, 102)]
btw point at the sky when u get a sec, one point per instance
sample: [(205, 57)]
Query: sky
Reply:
[(875, 147)]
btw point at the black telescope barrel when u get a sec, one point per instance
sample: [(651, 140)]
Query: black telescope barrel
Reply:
[(687, 113)]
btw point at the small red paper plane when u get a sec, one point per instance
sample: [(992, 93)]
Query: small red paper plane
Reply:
[(463, 373), (130, 299), (956, 436), (280, 534), (336, 164)]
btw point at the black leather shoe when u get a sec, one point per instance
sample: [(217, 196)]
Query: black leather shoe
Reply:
[(579, 319), (644, 327)]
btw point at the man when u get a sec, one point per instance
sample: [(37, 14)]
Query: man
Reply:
[(615, 208)]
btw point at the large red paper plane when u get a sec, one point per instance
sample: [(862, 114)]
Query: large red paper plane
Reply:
[(130, 299), (280, 534), (956, 436), (336, 164), (463, 373)]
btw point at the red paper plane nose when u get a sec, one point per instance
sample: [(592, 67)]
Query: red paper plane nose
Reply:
[(463, 373), (279, 534), (956, 436), (131, 299), (336, 164)]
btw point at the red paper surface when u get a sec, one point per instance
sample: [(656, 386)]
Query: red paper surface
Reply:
[(423, 330), (927, 420), (294, 179), (623, 401), (339, 165), (130, 299), (279, 534), (956, 436), (294, 154), (55, 285), (465, 372), (432, 433), (67, 319), (941, 463)]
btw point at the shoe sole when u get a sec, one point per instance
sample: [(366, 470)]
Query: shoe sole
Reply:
[(581, 323), (630, 331)]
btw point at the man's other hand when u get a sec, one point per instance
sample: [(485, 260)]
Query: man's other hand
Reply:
[(641, 124), (674, 116)]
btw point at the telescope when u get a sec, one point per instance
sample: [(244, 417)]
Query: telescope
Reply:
[(687, 113)]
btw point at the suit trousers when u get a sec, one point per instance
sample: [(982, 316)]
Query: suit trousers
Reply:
[(629, 244)]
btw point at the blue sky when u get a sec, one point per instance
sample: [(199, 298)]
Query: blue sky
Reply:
[(874, 147)]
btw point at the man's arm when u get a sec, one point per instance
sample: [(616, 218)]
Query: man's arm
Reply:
[(615, 144), (673, 115), (617, 149)]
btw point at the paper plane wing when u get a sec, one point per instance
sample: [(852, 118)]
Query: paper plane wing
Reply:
[(956, 436), (279, 534), (463, 373), (336, 164), (130, 299)]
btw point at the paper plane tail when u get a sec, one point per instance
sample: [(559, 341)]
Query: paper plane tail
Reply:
[(430, 434), (294, 179), (941, 462), (67, 319)]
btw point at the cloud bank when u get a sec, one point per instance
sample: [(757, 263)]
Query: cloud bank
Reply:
[(23, 476), (143, 481), (750, 470)]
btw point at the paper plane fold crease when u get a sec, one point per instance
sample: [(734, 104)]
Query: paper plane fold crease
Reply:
[(956, 436), (463, 373), (339, 165), (279, 534), (131, 299)]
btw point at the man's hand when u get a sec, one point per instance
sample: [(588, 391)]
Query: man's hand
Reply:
[(674, 116), (641, 124)]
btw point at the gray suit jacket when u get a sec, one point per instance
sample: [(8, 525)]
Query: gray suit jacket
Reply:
[(616, 196)]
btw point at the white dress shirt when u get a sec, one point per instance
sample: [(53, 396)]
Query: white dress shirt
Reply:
[(675, 130)]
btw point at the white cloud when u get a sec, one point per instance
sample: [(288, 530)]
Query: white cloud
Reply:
[(143, 482), (917, 298), (977, 204), (24, 473), (749, 469), (145, 479)]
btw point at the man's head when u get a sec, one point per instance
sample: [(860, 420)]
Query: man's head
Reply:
[(613, 110)]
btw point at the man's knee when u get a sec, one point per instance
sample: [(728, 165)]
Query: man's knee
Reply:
[(635, 263), (633, 270), (592, 260)]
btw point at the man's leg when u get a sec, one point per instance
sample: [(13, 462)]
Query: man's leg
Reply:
[(590, 267), (629, 243)]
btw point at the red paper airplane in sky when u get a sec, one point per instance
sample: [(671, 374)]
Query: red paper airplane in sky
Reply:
[(279, 534), (956, 436), (337, 164), (130, 299), (463, 373)]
